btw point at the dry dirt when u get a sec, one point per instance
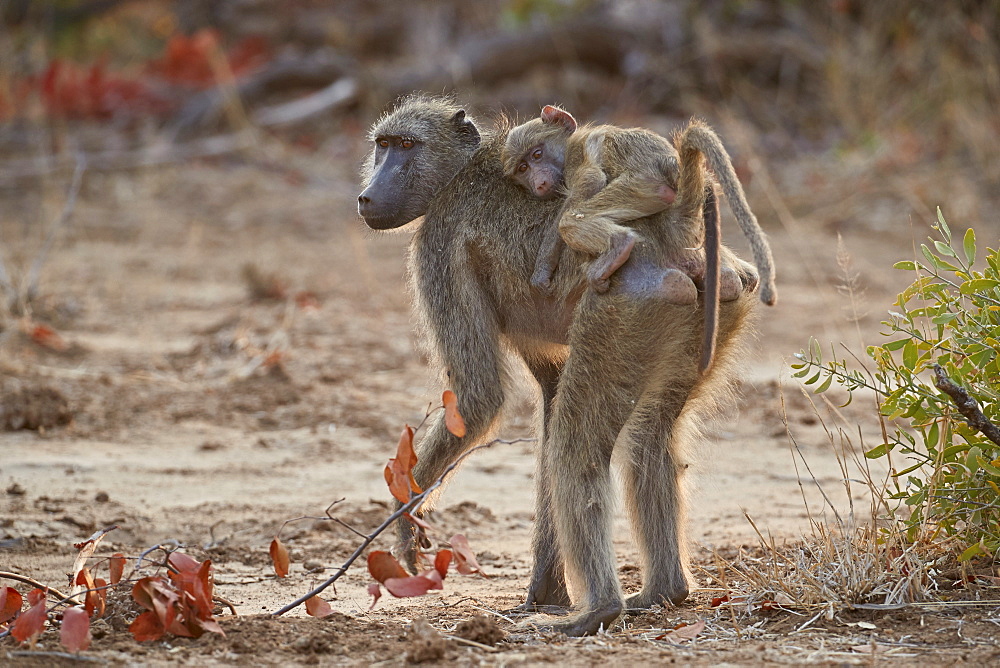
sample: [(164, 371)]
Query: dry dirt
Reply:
[(237, 351)]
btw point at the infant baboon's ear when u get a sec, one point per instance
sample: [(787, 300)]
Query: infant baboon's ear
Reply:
[(556, 116)]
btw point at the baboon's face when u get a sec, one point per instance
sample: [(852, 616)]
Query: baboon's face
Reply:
[(416, 151), (388, 201)]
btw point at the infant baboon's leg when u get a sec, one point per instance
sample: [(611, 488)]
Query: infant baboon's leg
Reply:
[(548, 260)]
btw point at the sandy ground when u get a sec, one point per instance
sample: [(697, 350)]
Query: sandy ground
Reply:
[(184, 429)]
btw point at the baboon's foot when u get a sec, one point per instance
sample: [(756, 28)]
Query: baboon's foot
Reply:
[(541, 280), (678, 288), (548, 590), (528, 609), (583, 623), (666, 194), (730, 285), (749, 278), (608, 262), (649, 597)]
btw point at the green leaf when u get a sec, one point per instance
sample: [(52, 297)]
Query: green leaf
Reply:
[(973, 551), (944, 318), (945, 230), (927, 253), (988, 466), (969, 246), (910, 355), (944, 249), (979, 285), (812, 380), (906, 265), (878, 451), (825, 386), (895, 345)]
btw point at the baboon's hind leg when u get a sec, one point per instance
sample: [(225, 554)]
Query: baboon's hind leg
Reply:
[(652, 472), (548, 580)]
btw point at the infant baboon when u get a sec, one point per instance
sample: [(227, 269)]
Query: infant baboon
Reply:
[(613, 176)]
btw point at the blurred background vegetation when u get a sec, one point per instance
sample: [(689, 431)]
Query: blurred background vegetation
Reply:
[(902, 95)]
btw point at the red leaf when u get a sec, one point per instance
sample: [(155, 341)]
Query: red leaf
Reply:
[(317, 607), (384, 566), (442, 561), (116, 564), (10, 603), (452, 418), (75, 632), (465, 558), (30, 623), (683, 632), (376, 593), (102, 595), (399, 470), (716, 602), (419, 521), (435, 578), (415, 585), (147, 626), (183, 563), (36, 596), (47, 337), (279, 557)]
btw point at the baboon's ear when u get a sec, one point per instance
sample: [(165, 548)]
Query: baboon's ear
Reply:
[(465, 125), (556, 116)]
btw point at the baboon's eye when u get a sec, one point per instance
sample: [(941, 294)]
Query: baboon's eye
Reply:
[(537, 154), (406, 143), (381, 141), (522, 168)]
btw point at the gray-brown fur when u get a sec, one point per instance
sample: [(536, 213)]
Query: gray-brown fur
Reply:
[(619, 367)]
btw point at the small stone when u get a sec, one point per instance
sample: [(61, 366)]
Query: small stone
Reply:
[(313, 565), (102, 497), (16, 490)]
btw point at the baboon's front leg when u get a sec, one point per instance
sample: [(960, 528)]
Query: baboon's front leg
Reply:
[(472, 356)]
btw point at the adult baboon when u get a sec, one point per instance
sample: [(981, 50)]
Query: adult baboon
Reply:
[(620, 366)]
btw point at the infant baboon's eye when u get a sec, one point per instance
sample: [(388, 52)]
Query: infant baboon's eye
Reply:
[(537, 154), (522, 168)]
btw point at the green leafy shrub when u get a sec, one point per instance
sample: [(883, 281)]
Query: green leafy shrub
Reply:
[(945, 328)]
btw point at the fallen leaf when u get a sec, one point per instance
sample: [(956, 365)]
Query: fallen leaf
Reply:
[(183, 563), (147, 626), (716, 602), (30, 623), (452, 418), (47, 337), (116, 565), (441, 562), (10, 603), (376, 593), (317, 607), (465, 558), (75, 632), (683, 632), (279, 557), (384, 566), (414, 585)]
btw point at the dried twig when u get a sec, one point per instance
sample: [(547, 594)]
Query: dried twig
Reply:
[(966, 405), (407, 507), (6, 575), (74, 189)]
